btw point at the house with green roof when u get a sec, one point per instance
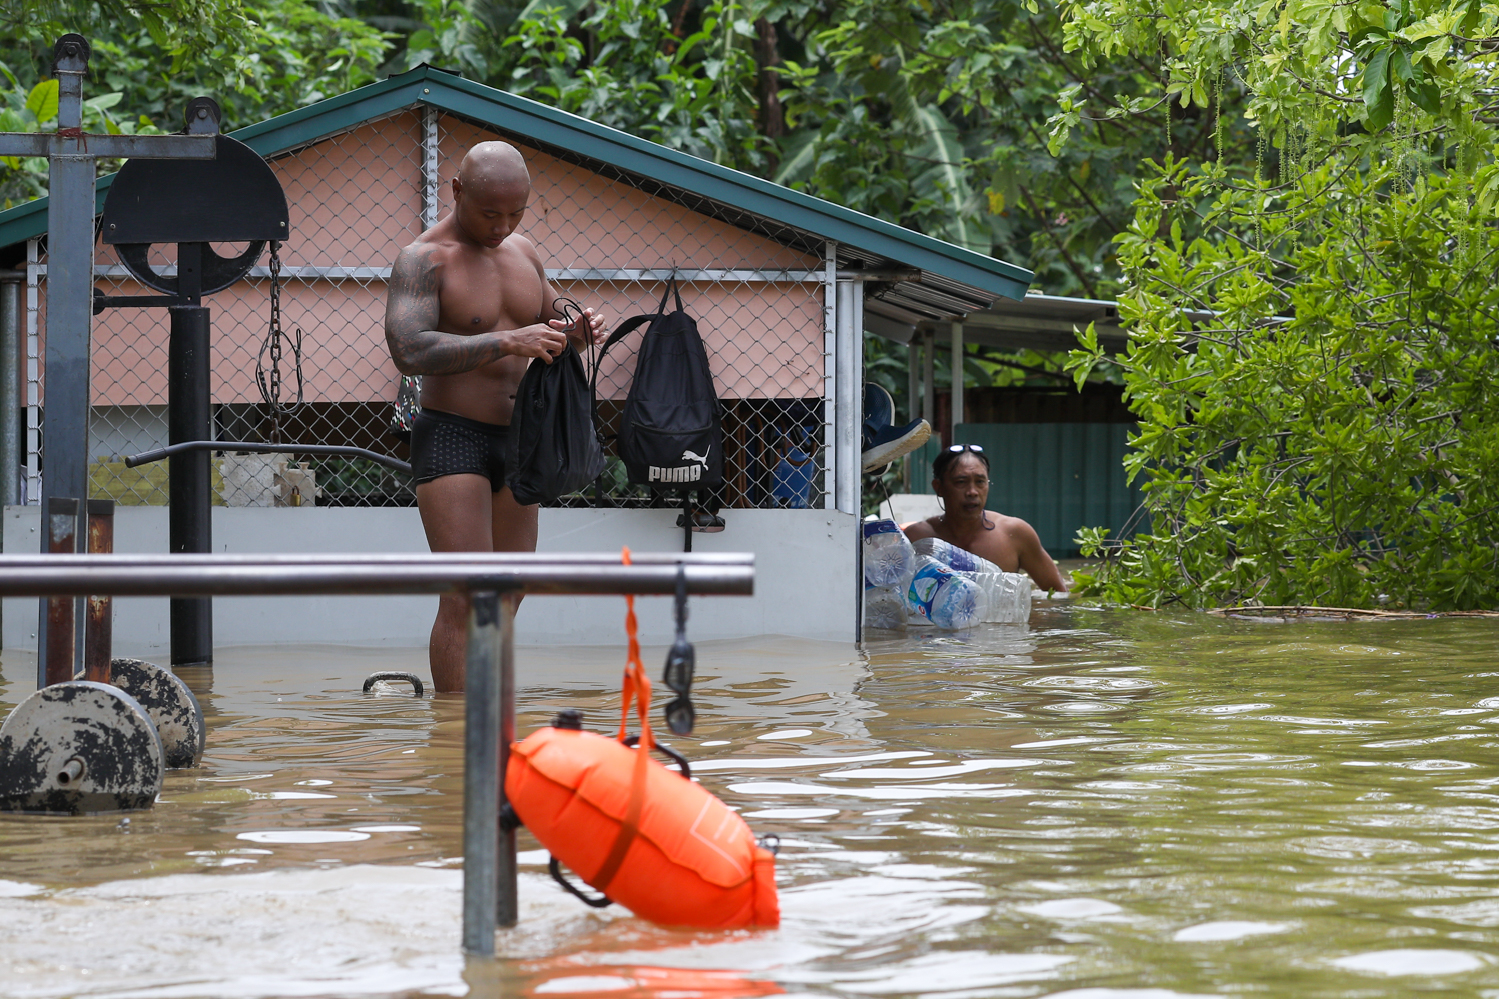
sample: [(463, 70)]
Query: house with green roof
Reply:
[(783, 287)]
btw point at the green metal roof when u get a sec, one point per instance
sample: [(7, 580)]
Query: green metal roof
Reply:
[(582, 140)]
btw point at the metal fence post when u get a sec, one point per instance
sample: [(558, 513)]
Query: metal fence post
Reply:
[(10, 396), (11, 288), (481, 773), (190, 524), (507, 904)]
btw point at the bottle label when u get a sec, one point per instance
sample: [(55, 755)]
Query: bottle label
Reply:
[(924, 586)]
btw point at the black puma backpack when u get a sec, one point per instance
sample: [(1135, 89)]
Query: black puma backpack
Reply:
[(671, 432)]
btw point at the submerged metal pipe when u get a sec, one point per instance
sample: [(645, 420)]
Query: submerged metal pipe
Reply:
[(252, 447), (161, 576), (481, 775)]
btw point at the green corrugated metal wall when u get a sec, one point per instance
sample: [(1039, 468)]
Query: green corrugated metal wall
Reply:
[(1057, 477)]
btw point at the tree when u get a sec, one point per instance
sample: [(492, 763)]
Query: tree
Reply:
[(256, 59), (1312, 332)]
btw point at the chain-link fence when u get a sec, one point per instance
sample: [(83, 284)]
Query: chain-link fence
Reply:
[(355, 199)]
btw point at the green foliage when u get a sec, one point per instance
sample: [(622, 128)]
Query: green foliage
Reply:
[(257, 59), (1312, 349)]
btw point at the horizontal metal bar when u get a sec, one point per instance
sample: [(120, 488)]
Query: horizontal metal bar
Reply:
[(177, 576), (480, 559), (309, 272), (143, 147), (337, 450), (103, 301)]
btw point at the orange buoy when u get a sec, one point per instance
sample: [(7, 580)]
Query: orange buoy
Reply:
[(663, 847)]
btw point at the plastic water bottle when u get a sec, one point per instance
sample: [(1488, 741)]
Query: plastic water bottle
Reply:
[(944, 598), (884, 607), (1008, 593), (952, 556), (888, 558), (1009, 596)]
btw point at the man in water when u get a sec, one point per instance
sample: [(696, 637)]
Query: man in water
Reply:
[(469, 308), (960, 478)]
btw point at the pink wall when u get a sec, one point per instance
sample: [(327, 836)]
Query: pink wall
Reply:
[(355, 199)]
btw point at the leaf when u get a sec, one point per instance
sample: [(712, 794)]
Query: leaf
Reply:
[(1379, 98), (1426, 95), (567, 8), (42, 101), (103, 101), (947, 179)]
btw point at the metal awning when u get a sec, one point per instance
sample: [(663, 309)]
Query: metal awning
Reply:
[(1037, 322)]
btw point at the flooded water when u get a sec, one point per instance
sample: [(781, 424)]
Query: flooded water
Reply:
[(1100, 806)]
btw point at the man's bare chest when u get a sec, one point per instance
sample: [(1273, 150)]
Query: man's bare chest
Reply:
[(493, 292)]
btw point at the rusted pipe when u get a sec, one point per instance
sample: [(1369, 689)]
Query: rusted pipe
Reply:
[(62, 514), (98, 629)]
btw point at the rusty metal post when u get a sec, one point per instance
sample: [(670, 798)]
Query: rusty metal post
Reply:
[(62, 519), (98, 630)]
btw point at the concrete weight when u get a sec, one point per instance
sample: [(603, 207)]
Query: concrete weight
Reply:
[(169, 704), (79, 747)]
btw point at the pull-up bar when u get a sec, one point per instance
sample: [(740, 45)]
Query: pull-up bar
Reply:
[(489, 869)]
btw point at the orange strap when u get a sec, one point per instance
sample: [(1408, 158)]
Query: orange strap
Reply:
[(637, 687)]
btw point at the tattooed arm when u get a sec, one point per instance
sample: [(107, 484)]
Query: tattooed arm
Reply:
[(413, 309)]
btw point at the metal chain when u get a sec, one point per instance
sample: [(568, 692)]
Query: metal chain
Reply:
[(270, 383)]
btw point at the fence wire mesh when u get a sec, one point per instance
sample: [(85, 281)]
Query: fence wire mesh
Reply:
[(355, 199)]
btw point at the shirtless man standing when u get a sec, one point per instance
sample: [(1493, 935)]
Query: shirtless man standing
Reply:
[(960, 478), (469, 308)]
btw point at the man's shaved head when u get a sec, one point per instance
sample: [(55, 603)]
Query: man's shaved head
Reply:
[(491, 192), (490, 166)]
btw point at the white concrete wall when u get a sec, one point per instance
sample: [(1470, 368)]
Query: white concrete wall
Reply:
[(805, 577)]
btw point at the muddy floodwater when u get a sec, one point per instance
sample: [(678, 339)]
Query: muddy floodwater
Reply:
[(1103, 805)]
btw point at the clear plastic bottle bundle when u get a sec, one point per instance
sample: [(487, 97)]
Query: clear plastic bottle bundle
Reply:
[(945, 598), (889, 559), (1008, 593), (884, 607), (889, 562)]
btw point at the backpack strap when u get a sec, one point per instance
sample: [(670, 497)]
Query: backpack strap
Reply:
[(623, 330)]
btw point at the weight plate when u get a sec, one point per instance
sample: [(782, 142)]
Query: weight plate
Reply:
[(169, 704), (79, 747)]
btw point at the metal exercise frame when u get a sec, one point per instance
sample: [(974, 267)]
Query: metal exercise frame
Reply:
[(491, 581)]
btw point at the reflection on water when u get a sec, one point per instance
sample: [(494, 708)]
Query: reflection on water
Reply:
[(1102, 806)]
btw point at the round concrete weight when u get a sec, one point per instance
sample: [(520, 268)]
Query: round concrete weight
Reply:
[(169, 704), (79, 747)]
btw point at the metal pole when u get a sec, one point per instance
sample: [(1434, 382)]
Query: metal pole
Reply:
[(11, 289), (98, 631), (957, 378), (928, 380), (56, 664), (70, 283), (481, 774), (507, 901), (10, 398), (913, 394), (189, 524), (830, 413), (206, 575), (847, 453)]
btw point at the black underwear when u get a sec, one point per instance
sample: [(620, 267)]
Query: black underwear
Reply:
[(445, 444)]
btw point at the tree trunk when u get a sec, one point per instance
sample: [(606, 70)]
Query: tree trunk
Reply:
[(772, 118)]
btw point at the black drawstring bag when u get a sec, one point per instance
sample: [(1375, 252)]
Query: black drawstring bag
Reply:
[(671, 430), (553, 448)]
